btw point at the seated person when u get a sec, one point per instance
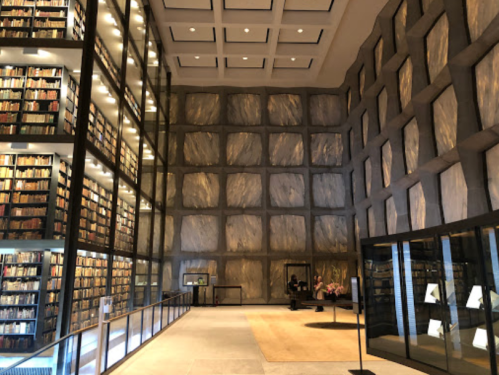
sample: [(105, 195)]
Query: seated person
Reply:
[(293, 287)]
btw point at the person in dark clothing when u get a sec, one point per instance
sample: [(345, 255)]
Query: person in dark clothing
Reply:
[(293, 287)]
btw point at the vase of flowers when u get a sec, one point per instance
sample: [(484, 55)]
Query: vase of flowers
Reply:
[(333, 291)]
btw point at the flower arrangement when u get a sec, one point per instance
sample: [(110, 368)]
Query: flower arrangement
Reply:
[(335, 288)]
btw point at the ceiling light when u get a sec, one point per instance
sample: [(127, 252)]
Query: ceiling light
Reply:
[(196, 57), (245, 58), (152, 54), (300, 30), (150, 101), (147, 93), (134, 4), (137, 137), (88, 160), (111, 100), (293, 59), (103, 89), (145, 145), (126, 120), (192, 29), (116, 32), (246, 30), (95, 76), (148, 151), (130, 60), (139, 18), (76, 71), (133, 130)]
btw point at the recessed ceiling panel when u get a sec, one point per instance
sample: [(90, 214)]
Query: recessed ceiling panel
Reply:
[(317, 5), (189, 4), (248, 4), (245, 62), (298, 35), (246, 35), (197, 61), (292, 63), (192, 34)]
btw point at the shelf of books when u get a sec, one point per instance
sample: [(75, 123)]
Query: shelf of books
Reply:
[(120, 285), (141, 282), (101, 133), (132, 102), (54, 283), (62, 201), (79, 22), (107, 60), (125, 226), (129, 161), (71, 113)]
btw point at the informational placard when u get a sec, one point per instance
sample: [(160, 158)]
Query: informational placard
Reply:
[(357, 306), (213, 279)]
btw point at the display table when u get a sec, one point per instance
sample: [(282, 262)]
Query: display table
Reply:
[(215, 287), (326, 303)]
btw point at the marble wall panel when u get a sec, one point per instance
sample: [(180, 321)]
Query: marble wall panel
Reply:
[(277, 276), (144, 230), (417, 205), (156, 240), (382, 108), (199, 233), (487, 81), (400, 22), (437, 47), (147, 183), (169, 233), (172, 149), (454, 193), (171, 190), (405, 83), (174, 108), (244, 149), (349, 100), (248, 274), (334, 271), (197, 266), (200, 190), (371, 222), (354, 187), (411, 145), (386, 158), (391, 216), (330, 234), (365, 128), (378, 57), (362, 81), (326, 149), (445, 120), (286, 149), (285, 110), (167, 277), (492, 157), (325, 110), (368, 176), (328, 190), (244, 190), (287, 190), (244, 109), (357, 234), (244, 233), (426, 5), (288, 233), (202, 109), (351, 141), (202, 148), (480, 15)]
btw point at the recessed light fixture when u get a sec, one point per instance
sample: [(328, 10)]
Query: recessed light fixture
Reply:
[(152, 54), (245, 58), (293, 59), (300, 30), (130, 60), (150, 101), (133, 130), (192, 29), (116, 32), (134, 4), (196, 57), (139, 18), (246, 30), (77, 71)]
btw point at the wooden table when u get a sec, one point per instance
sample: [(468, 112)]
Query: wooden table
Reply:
[(229, 287), (326, 303)]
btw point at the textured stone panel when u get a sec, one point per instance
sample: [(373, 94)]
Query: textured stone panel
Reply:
[(285, 110), (326, 149), (144, 238), (391, 216), (334, 271), (244, 149), (287, 190), (171, 190), (286, 149), (371, 222), (487, 79), (426, 5), (365, 128), (202, 109), (417, 204), (167, 276), (244, 109), (454, 193), (169, 233), (411, 145), (445, 120), (244, 233), (330, 234), (325, 110), (201, 148), (386, 158), (382, 108), (174, 109), (277, 276), (244, 190), (197, 266), (400, 22), (480, 15), (368, 176), (362, 81), (328, 190), (405, 83), (199, 233), (156, 233), (492, 156), (201, 190), (354, 186), (378, 57), (437, 46), (351, 141), (288, 233), (248, 274), (349, 100), (172, 149), (357, 234), (147, 183)]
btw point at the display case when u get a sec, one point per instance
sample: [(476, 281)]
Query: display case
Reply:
[(196, 279)]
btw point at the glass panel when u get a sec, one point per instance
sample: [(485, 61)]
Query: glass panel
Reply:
[(157, 235), (153, 55), (129, 153), (141, 276), (134, 80), (147, 169), (165, 312), (154, 281), (120, 285), (144, 238), (160, 192), (151, 120), (117, 338), (147, 324), (88, 351), (157, 319), (125, 218), (134, 331), (138, 26)]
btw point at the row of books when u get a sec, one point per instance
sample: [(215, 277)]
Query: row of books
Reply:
[(18, 328), (18, 313), (31, 185), (89, 293), (35, 106), (89, 282), (5, 185), (24, 257), (19, 343), (18, 299), (24, 271), (41, 94), (6, 172), (29, 198), (33, 172), (35, 223)]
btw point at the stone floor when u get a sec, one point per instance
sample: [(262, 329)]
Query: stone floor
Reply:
[(220, 341)]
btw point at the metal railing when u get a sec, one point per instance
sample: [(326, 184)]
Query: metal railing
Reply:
[(76, 353)]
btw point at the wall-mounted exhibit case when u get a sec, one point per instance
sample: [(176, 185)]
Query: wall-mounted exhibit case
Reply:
[(432, 297)]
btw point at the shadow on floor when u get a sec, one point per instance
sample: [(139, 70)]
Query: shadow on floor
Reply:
[(332, 325)]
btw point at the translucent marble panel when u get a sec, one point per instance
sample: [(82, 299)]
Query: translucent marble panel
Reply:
[(386, 158), (349, 100), (199, 233), (286, 149), (146, 183), (487, 80), (351, 142), (287, 190), (405, 83), (362, 81), (201, 190), (144, 238), (454, 193), (365, 128), (325, 110), (201, 148), (354, 186), (156, 240), (171, 190), (202, 109), (368, 176), (169, 233), (167, 276), (400, 22), (445, 120), (426, 5), (244, 109), (277, 276), (378, 57), (244, 149), (371, 222), (411, 145), (382, 108), (172, 149), (330, 234), (391, 216), (417, 204), (327, 268), (437, 46), (285, 110), (288, 233), (197, 266), (326, 149), (248, 274), (328, 190), (244, 190), (173, 109), (480, 15), (357, 234), (492, 156), (244, 233)]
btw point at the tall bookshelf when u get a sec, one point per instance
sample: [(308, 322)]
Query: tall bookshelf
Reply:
[(102, 133), (62, 201), (121, 285), (51, 310), (125, 226), (129, 161)]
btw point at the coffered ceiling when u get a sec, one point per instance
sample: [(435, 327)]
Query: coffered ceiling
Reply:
[(263, 42)]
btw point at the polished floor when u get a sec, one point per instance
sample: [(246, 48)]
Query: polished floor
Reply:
[(220, 341)]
